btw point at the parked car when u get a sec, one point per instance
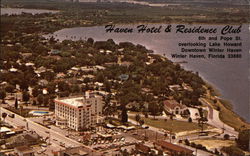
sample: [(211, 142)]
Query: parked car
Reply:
[(12, 115)]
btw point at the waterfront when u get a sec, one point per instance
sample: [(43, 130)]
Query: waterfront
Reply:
[(229, 76), (19, 11)]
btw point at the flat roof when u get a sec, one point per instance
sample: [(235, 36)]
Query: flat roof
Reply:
[(75, 102), (173, 147), (4, 129)]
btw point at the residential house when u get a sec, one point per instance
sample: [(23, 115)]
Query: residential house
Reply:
[(54, 52), (76, 151), (24, 151), (172, 149), (175, 87), (173, 107), (142, 149)]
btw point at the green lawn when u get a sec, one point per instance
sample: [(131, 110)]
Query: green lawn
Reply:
[(171, 125), (232, 119), (117, 122)]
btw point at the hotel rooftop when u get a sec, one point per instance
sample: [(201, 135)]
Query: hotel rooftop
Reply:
[(77, 101)]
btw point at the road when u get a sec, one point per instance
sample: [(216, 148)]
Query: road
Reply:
[(157, 130), (214, 119), (55, 137)]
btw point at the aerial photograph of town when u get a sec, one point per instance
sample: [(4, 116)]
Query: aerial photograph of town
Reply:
[(124, 78)]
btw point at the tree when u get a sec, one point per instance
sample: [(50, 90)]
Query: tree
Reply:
[(40, 99), (51, 88), (153, 108), (173, 137), (226, 136), (51, 105), (63, 86), (46, 100), (165, 135), (216, 151), (137, 118), (36, 91), (24, 85), (100, 77), (187, 142), (141, 122), (90, 41), (233, 151), (124, 115), (64, 94), (201, 122), (190, 119), (4, 115), (26, 96), (16, 103), (107, 86), (243, 139), (75, 89), (34, 102), (2, 95), (10, 88)]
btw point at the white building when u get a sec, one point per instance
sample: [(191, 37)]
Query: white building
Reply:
[(79, 112)]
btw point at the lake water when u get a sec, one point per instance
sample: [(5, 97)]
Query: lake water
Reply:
[(19, 11), (229, 76)]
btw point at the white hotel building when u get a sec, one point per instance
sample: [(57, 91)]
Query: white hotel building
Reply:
[(78, 112)]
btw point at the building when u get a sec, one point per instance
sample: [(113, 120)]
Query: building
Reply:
[(54, 52), (172, 149), (175, 87), (24, 151), (172, 106), (79, 112), (142, 149), (76, 151)]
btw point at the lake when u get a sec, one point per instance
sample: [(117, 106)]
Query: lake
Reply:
[(19, 11), (229, 76)]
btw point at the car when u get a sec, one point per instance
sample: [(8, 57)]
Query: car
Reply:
[(12, 115), (43, 145), (10, 98), (62, 144)]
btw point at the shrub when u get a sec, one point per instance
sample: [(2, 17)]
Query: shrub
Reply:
[(187, 142), (226, 137), (190, 120), (193, 144), (233, 151)]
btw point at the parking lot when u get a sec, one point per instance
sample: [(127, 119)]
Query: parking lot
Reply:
[(104, 139)]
